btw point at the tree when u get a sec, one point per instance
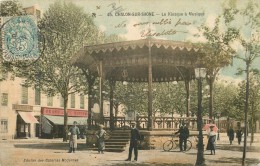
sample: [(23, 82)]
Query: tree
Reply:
[(246, 21), (218, 52), (253, 102), (224, 104), (65, 28), (11, 8)]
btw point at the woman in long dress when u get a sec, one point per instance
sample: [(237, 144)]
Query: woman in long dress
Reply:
[(101, 139), (211, 140)]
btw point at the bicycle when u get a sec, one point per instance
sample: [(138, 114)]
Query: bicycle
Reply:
[(174, 143)]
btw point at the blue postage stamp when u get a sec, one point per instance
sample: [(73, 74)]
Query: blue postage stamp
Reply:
[(20, 38)]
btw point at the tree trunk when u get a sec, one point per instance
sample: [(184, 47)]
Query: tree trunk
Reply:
[(252, 124), (252, 132), (246, 110), (90, 100), (187, 87), (91, 81), (211, 83), (116, 113), (65, 130)]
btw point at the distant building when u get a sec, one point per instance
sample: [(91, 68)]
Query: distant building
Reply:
[(27, 112), (34, 10), (23, 111)]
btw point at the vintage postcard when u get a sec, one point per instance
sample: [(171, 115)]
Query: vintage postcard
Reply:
[(129, 82)]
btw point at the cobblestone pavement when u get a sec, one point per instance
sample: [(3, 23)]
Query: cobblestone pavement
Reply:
[(46, 152)]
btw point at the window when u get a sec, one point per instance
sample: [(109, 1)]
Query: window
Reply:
[(72, 100), (37, 96), (24, 94), (49, 100), (61, 102), (4, 99), (82, 101), (4, 126)]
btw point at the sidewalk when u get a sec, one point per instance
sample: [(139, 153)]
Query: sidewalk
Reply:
[(53, 152)]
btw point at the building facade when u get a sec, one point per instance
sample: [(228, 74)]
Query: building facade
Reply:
[(22, 109)]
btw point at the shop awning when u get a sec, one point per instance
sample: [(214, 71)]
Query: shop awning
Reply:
[(46, 126), (28, 117), (59, 120)]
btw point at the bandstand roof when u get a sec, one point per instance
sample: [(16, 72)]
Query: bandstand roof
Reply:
[(128, 60)]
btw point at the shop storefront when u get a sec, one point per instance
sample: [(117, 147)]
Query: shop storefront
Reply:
[(52, 121), (26, 121), (25, 124)]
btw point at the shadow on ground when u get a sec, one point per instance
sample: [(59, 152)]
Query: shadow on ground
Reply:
[(238, 148), (234, 161), (148, 164), (54, 146)]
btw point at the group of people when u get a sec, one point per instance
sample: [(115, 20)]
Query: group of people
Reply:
[(74, 132), (135, 137), (211, 145), (231, 135), (100, 134)]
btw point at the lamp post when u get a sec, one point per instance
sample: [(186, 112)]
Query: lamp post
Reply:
[(218, 115), (200, 73)]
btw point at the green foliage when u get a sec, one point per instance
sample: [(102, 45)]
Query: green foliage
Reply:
[(11, 8), (113, 38), (131, 96), (224, 100), (217, 51), (64, 27), (168, 98), (247, 23), (254, 97)]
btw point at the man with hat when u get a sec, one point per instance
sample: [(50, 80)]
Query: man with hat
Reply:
[(184, 135), (135, 136), (231, 134), (73, 133)]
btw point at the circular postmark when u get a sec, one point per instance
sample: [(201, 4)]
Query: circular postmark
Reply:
[(20, 39)]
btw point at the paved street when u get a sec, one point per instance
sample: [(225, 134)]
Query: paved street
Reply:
[(50, 152)]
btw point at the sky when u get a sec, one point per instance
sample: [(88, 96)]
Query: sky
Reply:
[(164, 19)]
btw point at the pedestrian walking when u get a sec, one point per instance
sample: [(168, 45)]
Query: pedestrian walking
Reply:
[(134, 138), (183, 136), (100, 134), (239, 134), (211, 141), (231, 135), (73, 134)]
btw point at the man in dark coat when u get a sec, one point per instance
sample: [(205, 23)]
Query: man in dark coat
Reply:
[(135, 136), (239, 134), (184, 135), (231, 134)]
